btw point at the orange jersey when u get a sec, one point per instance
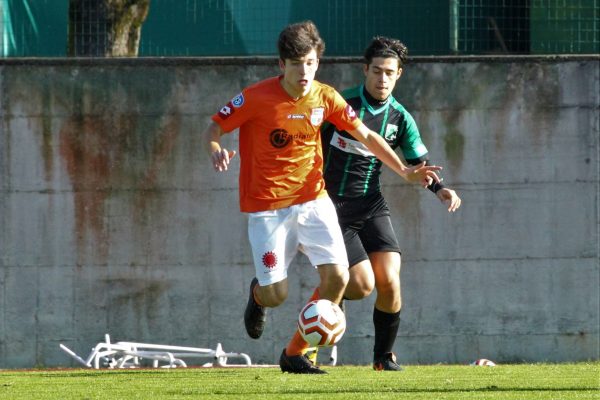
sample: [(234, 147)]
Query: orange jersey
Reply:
[(280, 141)]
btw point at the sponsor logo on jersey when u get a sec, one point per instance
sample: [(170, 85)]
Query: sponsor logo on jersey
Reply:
[(295, 116), (280, 138), (316, 116), (349, 145), (226, 111), (350, 113), (391, 131), (238, 100)]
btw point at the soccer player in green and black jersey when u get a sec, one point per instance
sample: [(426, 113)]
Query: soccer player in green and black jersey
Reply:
[(352, 181)]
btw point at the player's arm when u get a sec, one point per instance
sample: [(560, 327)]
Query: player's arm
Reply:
[(220, 157), (421, 173), (447, 196)]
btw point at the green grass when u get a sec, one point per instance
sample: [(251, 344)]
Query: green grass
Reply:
[(537, 381)]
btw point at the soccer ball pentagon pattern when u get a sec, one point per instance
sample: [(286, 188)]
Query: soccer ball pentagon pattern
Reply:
[(321, 323)]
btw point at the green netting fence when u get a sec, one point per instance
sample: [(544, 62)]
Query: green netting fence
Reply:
[(38, 28)]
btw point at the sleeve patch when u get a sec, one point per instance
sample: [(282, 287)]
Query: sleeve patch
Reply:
[(226, 111)]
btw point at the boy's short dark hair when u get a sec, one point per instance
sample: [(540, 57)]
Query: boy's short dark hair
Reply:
[(386, 47), (297, 40)]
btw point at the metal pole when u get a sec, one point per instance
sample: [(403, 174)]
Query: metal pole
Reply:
[(454, 21)]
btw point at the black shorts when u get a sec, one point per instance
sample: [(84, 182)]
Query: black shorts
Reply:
[(366, 225)]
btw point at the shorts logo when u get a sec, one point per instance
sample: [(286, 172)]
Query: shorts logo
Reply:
[(342, 143), (226, 111), (280, 138), (238, 100), (269, 260), (316, 116), (350, 113)]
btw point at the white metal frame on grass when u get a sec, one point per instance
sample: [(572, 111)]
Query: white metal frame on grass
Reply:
[(131, 354)]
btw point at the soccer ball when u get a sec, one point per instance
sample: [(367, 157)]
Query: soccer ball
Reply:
[(321, 323), (483, 362)]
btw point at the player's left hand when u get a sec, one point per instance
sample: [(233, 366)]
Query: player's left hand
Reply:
[(449, 198), (221, 159), (423, 174)]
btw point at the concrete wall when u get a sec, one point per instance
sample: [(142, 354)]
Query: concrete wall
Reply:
[(112, 220)]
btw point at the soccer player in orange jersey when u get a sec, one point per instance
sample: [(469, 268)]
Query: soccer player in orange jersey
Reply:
[(281, 182)]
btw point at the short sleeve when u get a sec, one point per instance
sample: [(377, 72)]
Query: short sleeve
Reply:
[(233, 114), (409, 139), (341, 114)]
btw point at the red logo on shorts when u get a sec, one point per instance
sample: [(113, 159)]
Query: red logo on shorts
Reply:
[(269, 259)]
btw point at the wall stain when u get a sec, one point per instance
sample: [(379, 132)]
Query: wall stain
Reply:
[(47, 139), (141, 298), (111, 146), (454, 146), (84, 151)]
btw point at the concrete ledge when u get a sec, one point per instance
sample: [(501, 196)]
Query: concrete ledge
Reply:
[(272, 60)]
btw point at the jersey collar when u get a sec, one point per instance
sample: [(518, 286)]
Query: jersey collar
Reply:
[(373, 109)]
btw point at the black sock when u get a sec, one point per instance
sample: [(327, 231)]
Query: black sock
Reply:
[(386, 329)]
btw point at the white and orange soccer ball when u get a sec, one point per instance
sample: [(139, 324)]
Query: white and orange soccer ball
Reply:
[(483, 362), (321, 323)]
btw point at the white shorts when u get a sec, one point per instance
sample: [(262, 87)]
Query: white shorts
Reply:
[(276, 236)]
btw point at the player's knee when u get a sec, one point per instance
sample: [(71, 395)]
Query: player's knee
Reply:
[(358, 289), (341, 280), (338, 281), (366, 287), (389, 287)]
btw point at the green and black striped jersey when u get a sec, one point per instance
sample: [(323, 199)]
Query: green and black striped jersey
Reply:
[(351, 170)]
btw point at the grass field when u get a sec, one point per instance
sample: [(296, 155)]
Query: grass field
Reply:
[(537, 381)]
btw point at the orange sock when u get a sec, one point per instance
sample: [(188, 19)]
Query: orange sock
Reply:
[(297, 345)]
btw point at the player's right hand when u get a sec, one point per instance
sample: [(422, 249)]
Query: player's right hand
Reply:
[(423, 174), (221, 159)]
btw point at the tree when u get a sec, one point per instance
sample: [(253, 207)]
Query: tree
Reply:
[(106, 28)]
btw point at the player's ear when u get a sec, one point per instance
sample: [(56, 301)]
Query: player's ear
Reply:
[(282, 65), (365, 69), (399, 73)]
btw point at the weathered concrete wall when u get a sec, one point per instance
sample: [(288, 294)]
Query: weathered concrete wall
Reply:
[(112, 220)]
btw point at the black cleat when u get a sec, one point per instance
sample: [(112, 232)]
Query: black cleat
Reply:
[(298, 365), (387, 362), (255, 315)]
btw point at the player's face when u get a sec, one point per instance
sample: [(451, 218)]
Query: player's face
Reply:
[(381, 76), (299, 73)]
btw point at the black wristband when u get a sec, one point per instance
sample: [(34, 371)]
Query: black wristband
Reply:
[(436, 187)]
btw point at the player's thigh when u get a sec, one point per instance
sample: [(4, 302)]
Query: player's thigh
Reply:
[(320, 235), (377, 235), (274, 241)]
